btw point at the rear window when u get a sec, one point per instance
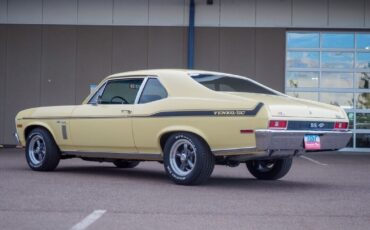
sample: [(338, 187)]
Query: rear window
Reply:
[(230, 84)]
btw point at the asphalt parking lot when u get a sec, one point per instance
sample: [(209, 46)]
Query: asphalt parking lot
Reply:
[(331, 192)]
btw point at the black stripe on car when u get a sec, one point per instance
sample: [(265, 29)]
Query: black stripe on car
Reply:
[(221, 113)]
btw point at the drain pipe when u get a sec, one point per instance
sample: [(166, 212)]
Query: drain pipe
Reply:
[(191, 33)]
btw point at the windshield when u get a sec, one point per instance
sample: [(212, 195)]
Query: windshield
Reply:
[(230, 84)]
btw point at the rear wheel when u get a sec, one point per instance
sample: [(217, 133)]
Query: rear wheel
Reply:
[(42, 153), (269, 169), (187, 159), (126, 164)]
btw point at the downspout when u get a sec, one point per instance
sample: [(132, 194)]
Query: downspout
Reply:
[(191, 35)]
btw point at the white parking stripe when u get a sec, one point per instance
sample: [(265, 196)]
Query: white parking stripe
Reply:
[(87, 221), (314, 161)]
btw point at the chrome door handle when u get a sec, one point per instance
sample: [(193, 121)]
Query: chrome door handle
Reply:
[(126, 111)]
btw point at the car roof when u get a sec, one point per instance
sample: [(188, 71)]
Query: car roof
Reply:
[(178, 82), (161, 73)]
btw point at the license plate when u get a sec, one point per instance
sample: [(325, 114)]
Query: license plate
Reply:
[(312, 142)]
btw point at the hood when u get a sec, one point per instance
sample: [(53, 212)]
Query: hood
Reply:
[(50, 111)]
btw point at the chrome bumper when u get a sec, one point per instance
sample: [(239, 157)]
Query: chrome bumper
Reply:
[(284, 143), (293, 139)]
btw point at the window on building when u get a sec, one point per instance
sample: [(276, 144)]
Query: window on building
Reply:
[(334, 68)]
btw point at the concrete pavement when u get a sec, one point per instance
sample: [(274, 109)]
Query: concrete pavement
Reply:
[(332, 195)]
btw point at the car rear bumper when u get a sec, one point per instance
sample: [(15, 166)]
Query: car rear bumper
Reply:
[(285, 143), (293, 139)]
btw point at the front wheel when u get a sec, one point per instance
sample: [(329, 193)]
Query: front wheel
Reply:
[(269, 169), (42, 153), (187, 159)]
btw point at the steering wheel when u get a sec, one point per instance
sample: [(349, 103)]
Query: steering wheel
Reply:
[(124, 101)]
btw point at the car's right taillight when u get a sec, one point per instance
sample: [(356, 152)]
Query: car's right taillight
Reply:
[(278, 124), (340, 125)]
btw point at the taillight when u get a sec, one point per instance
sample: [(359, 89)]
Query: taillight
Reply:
[(340, 125), (278, 124)]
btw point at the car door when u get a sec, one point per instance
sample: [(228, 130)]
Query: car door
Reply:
[(105, 124), (146, 127)]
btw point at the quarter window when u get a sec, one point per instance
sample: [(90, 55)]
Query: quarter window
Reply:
[(230, 84), (153, 91)]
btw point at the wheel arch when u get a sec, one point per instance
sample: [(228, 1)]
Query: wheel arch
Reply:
[(35, 125), (163, 137)]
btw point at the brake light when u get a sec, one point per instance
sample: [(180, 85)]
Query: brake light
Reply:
[(278, 124), (341, 125)]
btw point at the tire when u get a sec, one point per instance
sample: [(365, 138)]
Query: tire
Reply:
[(42, 153), (187, 159), (126, 164), (269, 169)]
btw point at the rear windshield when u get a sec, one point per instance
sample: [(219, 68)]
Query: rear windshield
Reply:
[(230, 84)]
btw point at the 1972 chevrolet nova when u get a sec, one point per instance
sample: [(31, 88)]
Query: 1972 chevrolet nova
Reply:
[(189, 120)]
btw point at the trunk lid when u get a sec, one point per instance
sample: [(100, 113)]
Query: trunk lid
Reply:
[(285, 106)]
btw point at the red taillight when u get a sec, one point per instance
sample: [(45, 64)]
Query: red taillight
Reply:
[(278, 124), (340, 125)]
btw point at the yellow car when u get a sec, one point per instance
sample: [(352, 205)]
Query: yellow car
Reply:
[(190, 120)]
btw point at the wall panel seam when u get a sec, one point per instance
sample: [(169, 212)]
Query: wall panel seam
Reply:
[(78, 12), (291, 12), (113, 1), (148, 11), (41, 56), (254, 13), (5, 80), (147, 45), (42, 12), (111, 50), (77, 62), (364, 8), (327, 12), (7, 11)]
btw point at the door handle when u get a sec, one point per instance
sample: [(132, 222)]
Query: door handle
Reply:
[(126, 111)]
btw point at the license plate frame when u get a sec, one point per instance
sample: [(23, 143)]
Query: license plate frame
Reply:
[(312, 142)]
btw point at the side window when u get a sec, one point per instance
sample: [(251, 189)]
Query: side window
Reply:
[(153, 91), (121, 91)]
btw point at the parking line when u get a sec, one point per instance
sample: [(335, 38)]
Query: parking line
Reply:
[(314, 161), (87, 221)]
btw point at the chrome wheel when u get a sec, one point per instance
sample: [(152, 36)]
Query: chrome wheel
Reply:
[(183, 157), (37, 149)]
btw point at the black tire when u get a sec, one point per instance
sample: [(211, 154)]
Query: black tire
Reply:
[(126, 164), (269, 169), (48, 152), (197, 152)]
